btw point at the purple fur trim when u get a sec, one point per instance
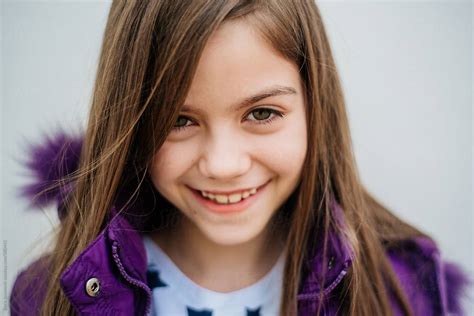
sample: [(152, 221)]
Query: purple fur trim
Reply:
[(49, 162), (457, 282)]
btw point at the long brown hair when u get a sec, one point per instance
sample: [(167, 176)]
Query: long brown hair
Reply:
[(148, 58)]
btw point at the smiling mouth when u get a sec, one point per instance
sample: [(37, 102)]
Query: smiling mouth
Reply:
[(237, 198)]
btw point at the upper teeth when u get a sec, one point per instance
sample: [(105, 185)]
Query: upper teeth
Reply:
[(232, 198)]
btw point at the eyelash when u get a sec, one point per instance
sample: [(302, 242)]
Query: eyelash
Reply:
[(274, 114)]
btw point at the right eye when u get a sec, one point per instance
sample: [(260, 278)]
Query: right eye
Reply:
[(182, 123)]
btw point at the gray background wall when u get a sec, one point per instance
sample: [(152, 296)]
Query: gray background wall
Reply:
[(406, 68)]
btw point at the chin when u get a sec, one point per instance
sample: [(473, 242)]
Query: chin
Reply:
[(231, 236)]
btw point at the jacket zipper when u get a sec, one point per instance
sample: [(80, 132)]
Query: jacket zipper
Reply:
[(131, 280), (326, 291)]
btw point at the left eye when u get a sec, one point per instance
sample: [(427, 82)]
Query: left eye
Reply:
[(260, 116), (264, 115)]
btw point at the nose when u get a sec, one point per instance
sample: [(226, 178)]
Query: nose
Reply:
[(224, 156)]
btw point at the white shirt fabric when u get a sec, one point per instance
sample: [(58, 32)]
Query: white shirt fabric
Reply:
[(174, 294)]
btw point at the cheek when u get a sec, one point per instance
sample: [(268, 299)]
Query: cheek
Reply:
[(166, 168), (284, 152)]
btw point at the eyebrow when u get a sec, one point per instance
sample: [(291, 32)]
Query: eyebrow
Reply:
[(265, 93)]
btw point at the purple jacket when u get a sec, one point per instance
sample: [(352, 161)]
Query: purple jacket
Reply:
[(117, 260)]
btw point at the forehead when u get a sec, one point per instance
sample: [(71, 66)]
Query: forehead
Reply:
[(236, 63)]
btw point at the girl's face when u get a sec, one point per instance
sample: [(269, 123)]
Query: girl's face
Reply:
[(242, 130)]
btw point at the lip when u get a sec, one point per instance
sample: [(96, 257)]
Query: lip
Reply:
[(228, 208)]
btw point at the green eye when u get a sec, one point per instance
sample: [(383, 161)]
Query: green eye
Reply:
[(261, 114), (181, 121), (264, 115)]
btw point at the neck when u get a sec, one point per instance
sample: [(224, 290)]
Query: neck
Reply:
[(217, 267)]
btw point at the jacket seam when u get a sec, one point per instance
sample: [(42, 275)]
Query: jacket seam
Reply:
[(326, 291), (130, 279)]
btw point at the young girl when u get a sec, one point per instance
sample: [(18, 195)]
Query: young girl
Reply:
[(216, 177)]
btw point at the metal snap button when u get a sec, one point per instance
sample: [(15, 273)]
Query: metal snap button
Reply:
[(92, 287)]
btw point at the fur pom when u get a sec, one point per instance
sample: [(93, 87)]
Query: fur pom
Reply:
[(50, 162)]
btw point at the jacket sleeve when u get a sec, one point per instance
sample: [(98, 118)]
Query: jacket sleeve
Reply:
[(29, 289), (431, 285), (456, 282)]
